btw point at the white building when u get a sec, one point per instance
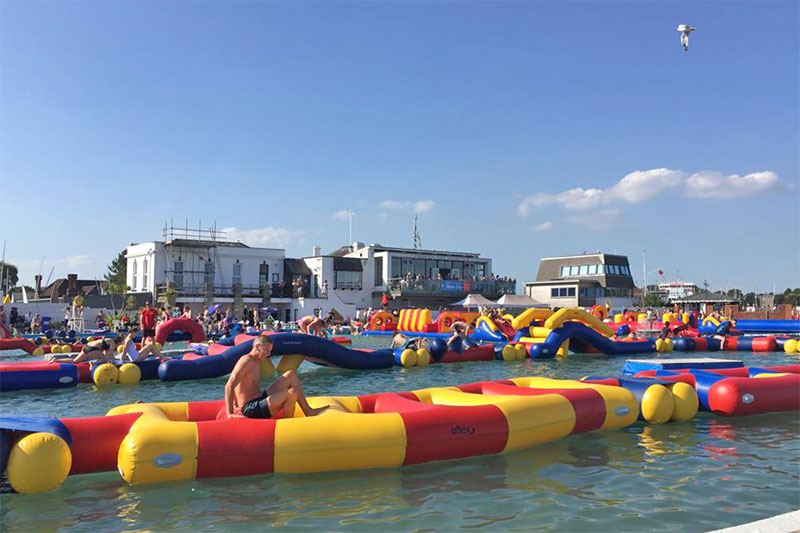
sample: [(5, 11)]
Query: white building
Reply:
[(677, 289), (204, 269)]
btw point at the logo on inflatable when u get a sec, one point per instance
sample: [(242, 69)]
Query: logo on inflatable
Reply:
[(168, 460), (462, 430)]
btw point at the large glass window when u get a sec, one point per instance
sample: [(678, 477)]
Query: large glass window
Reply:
[(135, 267), (562, 291), (592, 270), (419, 267), (553, 293), (144, 274), (584, 270), (263, 274), (379, 281), (237, 273), (564, 272), (177, 274), (397, 268), (573, 270), (346, 279), (209, 272), (571, 291)]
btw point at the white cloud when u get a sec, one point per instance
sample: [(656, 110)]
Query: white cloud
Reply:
[(394, 204), (712, 184), (383, 216), (544, 226), (77, 260), (602, 220), (636, 187), (422, 206), (342, 214), (268, 237)]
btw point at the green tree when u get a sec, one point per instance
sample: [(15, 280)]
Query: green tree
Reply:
[(652, 300), (118, 270), (10, 275)]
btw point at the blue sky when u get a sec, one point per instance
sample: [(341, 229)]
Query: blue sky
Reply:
[(519, 130)]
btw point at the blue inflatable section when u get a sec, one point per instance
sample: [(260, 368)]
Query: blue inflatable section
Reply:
[(317, 349), (576, 330), (62, 375), (768, 326), (634, 366), (484, 333)]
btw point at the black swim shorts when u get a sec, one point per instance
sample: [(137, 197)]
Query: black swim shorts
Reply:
[(257, 408)]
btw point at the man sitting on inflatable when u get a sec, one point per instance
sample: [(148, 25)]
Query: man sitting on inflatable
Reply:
[(243, 396)]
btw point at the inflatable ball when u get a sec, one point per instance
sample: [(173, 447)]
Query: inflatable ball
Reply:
[(105, 374), (509, 352), (408, 358), (128, 374), (791, 346), (437, 348), (423, 357), (38, 462)]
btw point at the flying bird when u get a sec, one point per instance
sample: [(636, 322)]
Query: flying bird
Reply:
[(685, 30)]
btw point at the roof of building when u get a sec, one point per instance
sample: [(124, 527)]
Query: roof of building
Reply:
[(296, 267), (581, 256), (85, 286), (345, 250), (569, 281), (706, 297)]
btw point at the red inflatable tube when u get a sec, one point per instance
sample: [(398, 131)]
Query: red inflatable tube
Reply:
[(342, 340), (765, 344), (96, 440), (589, 406), (749, 396), (476, 353), (235, 447), (186, 325), (17, 344), (434, 432), (730, 344)]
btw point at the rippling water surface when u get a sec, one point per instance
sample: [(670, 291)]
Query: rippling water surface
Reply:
[(703, 474)]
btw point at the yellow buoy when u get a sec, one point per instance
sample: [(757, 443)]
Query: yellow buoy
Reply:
[(105, 374), (38, 351), (119, 349), (618, 318), (509, 352), (686, 402), (668, 345), (66, 348), (38, 462), (423, 357), (408, 358), (267, 368), (791, 346), (89, 339), (657, 404), (660, 346), (521, 351), (129, 374)]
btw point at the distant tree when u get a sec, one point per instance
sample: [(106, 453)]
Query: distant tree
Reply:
[(652, 300), (10, 276), (789, 296), (749, 298), (117, 276), (118, 270)]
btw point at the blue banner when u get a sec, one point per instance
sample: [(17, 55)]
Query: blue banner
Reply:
[(452, 285)]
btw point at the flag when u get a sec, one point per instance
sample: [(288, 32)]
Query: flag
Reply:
[(660, 272)]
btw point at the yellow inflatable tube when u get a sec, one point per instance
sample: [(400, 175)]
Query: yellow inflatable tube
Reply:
[(534, 313), (563, 315)]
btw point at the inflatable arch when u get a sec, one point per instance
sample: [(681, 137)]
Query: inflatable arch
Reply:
[(187, 325)]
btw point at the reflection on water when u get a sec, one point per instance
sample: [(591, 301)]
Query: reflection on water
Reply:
[(702, 474)]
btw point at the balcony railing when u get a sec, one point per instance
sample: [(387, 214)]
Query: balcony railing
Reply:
[(444, 286)]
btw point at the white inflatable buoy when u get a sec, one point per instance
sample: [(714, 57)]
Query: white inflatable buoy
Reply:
[(685, 30)]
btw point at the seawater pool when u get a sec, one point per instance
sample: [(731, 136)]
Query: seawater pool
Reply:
[(707, 473)]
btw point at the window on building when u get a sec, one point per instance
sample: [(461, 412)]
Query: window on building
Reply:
[(564, 272), (571, 291), (379, 281), (208, 267), (237, 273), (553, 293), (626, 270), (135, 267), (177, 274), (144, 274), (573, 270), (346, 279), (592, 270), (584, 270), (263, 274), (276, 278)]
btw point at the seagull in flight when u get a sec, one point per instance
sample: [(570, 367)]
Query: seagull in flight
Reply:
[(685, 30)]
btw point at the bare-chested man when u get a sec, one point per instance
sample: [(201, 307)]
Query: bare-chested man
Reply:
[(243, 396), (313, 325)]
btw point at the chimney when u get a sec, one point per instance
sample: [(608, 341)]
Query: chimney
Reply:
[(37, 281), (316, 251)]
